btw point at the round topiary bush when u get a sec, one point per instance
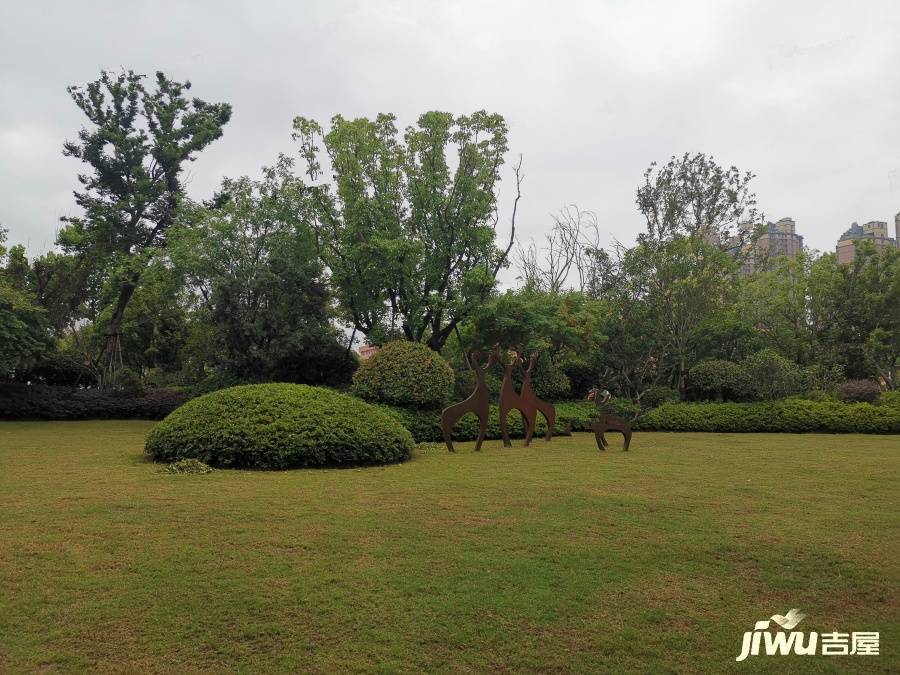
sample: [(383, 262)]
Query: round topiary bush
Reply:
[(859, 391), (405, 374), (279, 426)]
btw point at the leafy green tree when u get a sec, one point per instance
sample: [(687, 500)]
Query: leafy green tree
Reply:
[(685, 282), (252, 261), (772, 376), (776, 302), (135, 146), (727, 336), (155, 326), (23, 328), (693, 196), (566, 328), (720, 380), (408, 233), (855, 312), (62, 287)]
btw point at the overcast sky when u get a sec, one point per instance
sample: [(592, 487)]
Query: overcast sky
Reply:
[(804, 94)]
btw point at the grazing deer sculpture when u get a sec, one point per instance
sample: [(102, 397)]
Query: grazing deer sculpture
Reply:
[(534, 405), (510, 399), (479, 402), (603, 423)]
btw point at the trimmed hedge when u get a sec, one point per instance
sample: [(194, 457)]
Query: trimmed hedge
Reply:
[(279, 426), (787, 416), (45, 402), (405, 374), (425, 425)]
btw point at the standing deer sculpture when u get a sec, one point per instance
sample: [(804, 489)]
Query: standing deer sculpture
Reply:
[(533, 405), (479, 402), (510, 399), (603, 423)]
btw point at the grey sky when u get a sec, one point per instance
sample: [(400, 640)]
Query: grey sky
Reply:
[(805, 94)]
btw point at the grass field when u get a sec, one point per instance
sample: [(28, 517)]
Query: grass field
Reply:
[(553, 558)]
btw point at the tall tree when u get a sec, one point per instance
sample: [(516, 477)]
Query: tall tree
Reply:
[(571, 251), (23, 327), (409, 234), (693, 196), (252, 260), (136, 145), (776, 302), (855, 312), (685, 281)]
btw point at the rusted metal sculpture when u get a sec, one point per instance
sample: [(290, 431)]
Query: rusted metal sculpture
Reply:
[(603, 423), (533, 405), (479, 402), (510, 399)]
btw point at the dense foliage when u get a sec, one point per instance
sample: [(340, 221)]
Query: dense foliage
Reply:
[(135, 146), (279, 426), (788, 416), (404, 374), (251, 260), (43, 402), (395, 235), (407, 231)]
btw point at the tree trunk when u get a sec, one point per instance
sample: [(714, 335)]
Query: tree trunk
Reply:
[(111, 358)]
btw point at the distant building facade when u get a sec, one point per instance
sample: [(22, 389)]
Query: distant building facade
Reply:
[(875, 231), (777, 239)]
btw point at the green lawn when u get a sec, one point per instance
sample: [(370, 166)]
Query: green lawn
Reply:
[(553, 558)]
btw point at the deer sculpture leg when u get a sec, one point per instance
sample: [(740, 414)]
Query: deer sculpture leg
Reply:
[(533, 405), (549, 413), (478, 403), (449, 417), (505, 410), (597, 428), (510, 399)]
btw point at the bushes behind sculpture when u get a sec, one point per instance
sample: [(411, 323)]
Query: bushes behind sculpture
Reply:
[(787, 416), (279, 426), (405, 374)]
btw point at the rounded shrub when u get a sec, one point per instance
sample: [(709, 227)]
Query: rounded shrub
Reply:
[(859, 391), (550, 381), (406, 374), (279, 426), (658, 394), (721, 380)]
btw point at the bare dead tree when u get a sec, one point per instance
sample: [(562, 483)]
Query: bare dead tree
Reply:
[(571, 246)]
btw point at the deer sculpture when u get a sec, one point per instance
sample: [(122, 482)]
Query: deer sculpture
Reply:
[(479, 402), (603, 423), (510, 399), (534, 405)]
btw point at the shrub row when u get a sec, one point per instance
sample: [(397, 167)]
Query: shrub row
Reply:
[(787, 416), (425, 425), (45, 402)]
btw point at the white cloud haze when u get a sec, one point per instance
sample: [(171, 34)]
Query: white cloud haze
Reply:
[(804, 94)]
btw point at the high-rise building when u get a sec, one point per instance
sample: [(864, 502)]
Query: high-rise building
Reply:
[(875, 231), (777, 239)]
